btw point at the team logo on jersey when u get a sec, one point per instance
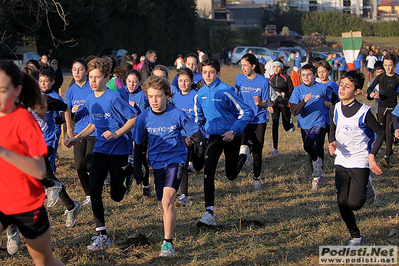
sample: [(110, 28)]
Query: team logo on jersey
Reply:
[(100, 116), (347, 130), (161, 130), (250, 89)]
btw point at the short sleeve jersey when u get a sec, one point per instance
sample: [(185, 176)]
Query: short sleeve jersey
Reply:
[(139, 98), (110, 112), (260, 87), (163, 133), (20, 192), (77, 95), (313, 113)]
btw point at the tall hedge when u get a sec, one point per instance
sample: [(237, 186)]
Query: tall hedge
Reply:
[(225, 37)]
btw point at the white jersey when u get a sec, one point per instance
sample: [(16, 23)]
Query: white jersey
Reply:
[(354, 138)]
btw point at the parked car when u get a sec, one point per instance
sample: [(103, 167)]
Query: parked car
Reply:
[(20, 59), (239, 51), (281, 53), (295, 48), (296, 34)]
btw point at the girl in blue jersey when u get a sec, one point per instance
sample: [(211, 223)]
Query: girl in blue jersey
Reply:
[(324, 70), (351, 139), (184, 100), (308, 103), (254, 89), (161, 127), (75, 98), (112, 118), (191, 62), (224, 116)]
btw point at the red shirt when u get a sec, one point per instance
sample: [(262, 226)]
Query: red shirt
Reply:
[(20, 192)]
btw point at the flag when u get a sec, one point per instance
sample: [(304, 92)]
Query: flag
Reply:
[(351, 44)]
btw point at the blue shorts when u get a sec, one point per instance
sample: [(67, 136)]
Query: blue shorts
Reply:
[(169, 176), (370, 70), (313, 133)]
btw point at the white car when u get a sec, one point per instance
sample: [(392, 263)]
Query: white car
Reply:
[(240, 51), (20, 59)]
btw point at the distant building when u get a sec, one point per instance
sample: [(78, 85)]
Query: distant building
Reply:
[(388, 10)]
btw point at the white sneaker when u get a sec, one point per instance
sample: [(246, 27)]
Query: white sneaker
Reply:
[(318, 167), (53, 194), (371, 194), (72, 214), (257, 184), (99, 242), (87, 201), (13, 239), (207, 219), (274, 151), (182, 200), (355, 242), (316, 183)]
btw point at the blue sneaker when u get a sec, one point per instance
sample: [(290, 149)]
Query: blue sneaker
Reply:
[(167, 250)]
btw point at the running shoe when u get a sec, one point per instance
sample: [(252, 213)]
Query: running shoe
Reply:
[(292, 128), (316, 183), (274, 151), (190, 168), (182, 200), (87, 201), (355, 242), (72, 214), (167, 250), (257, 184), (371, 194), (53, 194), (207, 219), (99, 242), (318, 167), (147, 191), (13, 239)]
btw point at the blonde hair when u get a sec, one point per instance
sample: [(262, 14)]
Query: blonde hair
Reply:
[(157, 83)]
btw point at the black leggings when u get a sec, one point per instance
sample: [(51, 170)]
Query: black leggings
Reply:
[(101, 164), (83, 151), (65, 199), (351, 186), (146, 178), (256, 134), (214, 149), (385, 119), (313, 142), (286, 116)]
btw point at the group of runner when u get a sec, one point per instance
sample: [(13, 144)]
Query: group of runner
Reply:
[(118, 131)]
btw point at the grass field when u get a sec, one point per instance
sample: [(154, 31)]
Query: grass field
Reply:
[(282, 224)]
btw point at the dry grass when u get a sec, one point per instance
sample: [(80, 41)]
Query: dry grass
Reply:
[(282, 224)]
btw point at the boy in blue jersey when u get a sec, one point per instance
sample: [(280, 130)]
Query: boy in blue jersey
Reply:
[(298, 59), (75, 98), (161, 127), (358, 64), (224, 116), (112, 118), (308, 103)]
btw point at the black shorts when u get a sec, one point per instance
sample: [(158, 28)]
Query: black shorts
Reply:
[(31, 224)]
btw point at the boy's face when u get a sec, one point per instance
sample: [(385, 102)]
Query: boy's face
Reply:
[(307, 77), (97, 80), (132, 82), (388, 66), (322, 73), (379, 71), (157, 99), (347, 90), (45, 83), (209, 74)]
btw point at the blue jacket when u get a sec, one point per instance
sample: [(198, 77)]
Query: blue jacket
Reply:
[(222, 110)]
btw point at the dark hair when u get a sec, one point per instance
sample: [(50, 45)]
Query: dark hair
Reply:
[(156, 83), (81, 61), (31, 71), (378, 65), (316, 60), (30, 96), (185, 71), (390, 57), (251, 58), (48, 73), (34, 62), (134, 72), (213, 63), (162, 68), (309, 67), (120, 73), (191, 55), (325, 64), (149, 53), (355, 78)]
